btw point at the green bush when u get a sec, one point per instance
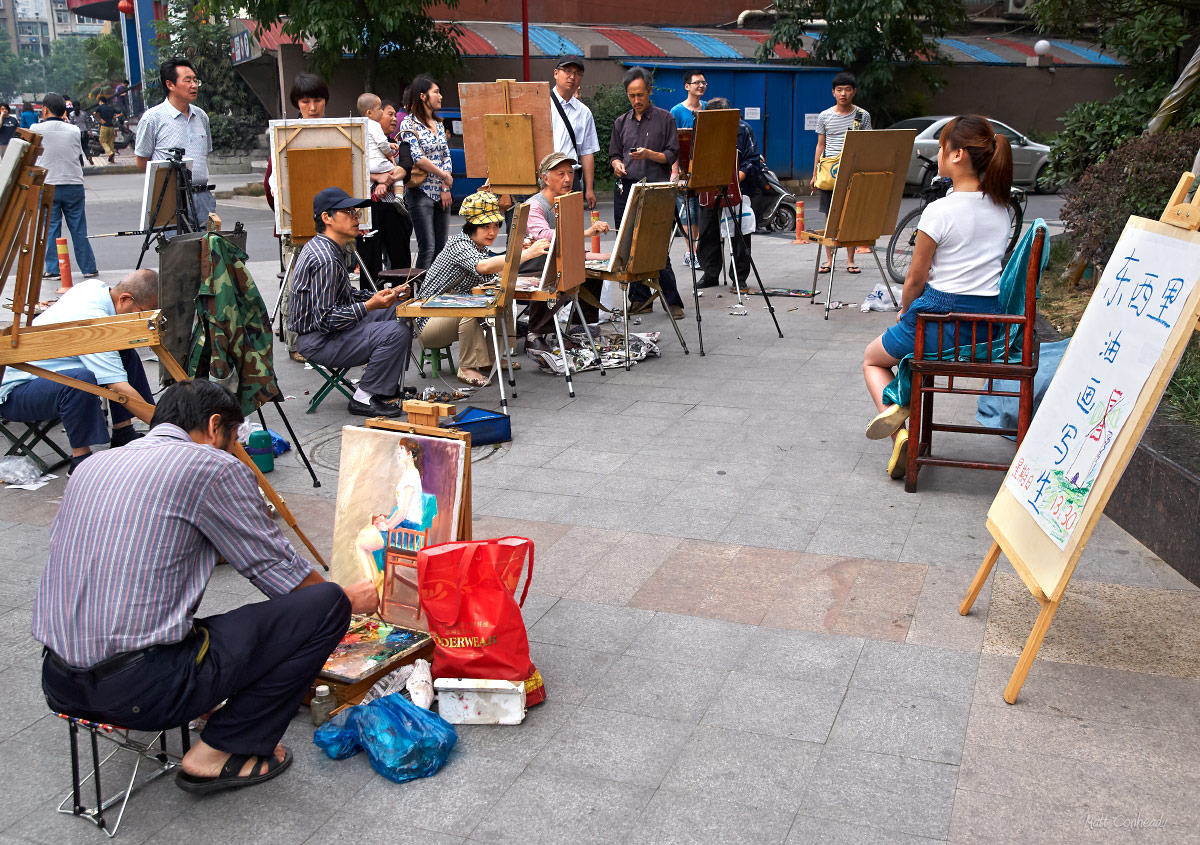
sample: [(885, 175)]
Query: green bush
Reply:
[(1135, 178), (607, 102)]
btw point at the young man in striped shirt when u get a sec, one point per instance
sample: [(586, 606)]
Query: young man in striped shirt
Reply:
[(832, 126)]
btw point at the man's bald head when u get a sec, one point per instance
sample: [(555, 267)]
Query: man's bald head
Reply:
[(136, 292), (368, 103)]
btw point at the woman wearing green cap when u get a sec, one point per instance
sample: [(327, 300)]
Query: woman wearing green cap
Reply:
[(465, 264)]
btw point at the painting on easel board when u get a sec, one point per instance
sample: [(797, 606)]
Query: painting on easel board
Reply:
[(397, 493)]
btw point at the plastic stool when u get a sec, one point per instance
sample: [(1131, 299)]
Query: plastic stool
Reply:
[(434, 358)]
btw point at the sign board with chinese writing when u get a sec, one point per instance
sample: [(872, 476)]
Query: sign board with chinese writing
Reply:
[(1105, 390)]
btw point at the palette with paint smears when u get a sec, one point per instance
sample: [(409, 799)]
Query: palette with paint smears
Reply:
[(368, 647)]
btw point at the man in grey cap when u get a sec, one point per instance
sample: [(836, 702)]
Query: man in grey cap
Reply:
[(339, 326), (574, 126)]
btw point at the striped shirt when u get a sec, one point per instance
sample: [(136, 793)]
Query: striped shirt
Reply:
[(322, 298), (164, 126), (135, 541), (453, 271), (834, 127)]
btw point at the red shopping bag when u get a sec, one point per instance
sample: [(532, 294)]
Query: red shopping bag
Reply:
[(467, 594)]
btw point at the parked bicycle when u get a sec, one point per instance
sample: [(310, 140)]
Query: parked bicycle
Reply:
[(904, 239)]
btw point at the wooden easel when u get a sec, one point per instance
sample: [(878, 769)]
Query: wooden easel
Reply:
[(866, 199), (507, 131), (1043, 566), (22, 230), (646, 228)]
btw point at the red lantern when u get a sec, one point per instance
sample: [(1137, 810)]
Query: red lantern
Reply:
[(125, 7)]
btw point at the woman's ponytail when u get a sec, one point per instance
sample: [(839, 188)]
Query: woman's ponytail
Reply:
[(996, 179)]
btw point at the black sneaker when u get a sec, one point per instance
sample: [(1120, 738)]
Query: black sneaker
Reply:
[(535, 343), (708, 283), (50, 275), (75, 462), (124, 436), (377, 407)]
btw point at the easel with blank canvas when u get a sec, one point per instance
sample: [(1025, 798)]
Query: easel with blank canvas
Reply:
[(562, 276), (866, 198), (1104, 392), (643, 242), (24, 217), (507, 131)]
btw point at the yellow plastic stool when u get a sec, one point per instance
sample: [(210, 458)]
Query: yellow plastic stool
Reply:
[(434, 358)]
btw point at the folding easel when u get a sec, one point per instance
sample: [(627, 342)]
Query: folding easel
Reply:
[(507, 131)]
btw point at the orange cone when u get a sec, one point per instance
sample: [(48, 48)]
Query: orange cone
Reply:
[(64, 265), (799, 222)]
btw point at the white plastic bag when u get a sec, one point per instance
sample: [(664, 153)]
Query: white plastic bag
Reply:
[(749, 224), (878, 300), (19, 469)]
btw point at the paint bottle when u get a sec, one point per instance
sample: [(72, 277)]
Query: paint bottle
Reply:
[(322, 705), (261, 450)]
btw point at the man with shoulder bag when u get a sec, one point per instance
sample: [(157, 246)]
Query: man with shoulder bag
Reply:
[(832, 126)]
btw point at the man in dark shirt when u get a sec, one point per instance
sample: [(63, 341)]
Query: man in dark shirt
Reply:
[(708, 247), (107, 114), (8, 126), (644, 144)]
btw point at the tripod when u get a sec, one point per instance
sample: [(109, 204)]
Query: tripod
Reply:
[(185, 205), (735, 221)]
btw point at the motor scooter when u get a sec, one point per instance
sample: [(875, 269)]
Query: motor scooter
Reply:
[(774, 207)]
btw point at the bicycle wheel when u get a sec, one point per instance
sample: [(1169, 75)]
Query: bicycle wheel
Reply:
[(900, 247), (1016, 221)]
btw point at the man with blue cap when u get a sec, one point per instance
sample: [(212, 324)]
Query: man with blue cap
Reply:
[(340, 326)]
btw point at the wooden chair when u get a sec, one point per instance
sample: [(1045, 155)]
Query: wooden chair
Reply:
[(974, 355), (494, 313)]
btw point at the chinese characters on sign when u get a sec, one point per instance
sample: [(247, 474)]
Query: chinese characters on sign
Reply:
[(1121, 337)]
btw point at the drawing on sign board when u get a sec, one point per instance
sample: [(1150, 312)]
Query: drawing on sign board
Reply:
[(1119, 340)]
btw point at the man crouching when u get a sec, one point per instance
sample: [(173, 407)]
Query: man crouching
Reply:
[(132, 549)]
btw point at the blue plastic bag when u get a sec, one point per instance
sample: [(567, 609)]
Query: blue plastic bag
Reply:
[(278, 444), (402, 741)]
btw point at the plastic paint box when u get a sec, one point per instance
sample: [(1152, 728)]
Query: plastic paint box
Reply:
[(483, 425), (474, 701)]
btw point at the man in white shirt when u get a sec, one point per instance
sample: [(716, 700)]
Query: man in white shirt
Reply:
[(178, 122), (62, 156), (27, 398), (574, 126)]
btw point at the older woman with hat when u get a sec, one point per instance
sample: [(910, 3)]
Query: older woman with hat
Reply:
[(464, 264), (556, 175)]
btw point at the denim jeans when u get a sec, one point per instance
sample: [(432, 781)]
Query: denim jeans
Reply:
[(430, 223), (68, 199)]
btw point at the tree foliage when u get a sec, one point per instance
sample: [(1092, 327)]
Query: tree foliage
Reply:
[(396, 38), (607, 102), (12, 73), (872, 39), (235, 115)]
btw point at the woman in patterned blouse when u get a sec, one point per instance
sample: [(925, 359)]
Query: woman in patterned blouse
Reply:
[(428, 203), (464, 264)]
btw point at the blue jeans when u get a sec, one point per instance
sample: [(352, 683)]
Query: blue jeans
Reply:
[(68, 199), (41, 399), (430, 223)]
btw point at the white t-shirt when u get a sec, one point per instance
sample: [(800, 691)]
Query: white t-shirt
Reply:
[(971, 233), (378, 149)]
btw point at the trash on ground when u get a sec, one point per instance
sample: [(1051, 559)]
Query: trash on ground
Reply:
[(476, 701), (402, 741)]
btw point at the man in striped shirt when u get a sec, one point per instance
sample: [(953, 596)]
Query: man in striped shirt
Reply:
[(132, 548), (832, 126)]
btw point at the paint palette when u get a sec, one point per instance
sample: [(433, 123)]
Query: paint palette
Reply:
[(369, 646)]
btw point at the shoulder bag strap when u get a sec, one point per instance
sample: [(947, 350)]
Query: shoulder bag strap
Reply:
[(570, 129)]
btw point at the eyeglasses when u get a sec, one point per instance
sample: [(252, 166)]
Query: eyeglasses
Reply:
[(566, 72), (700, 84), (190, 80), (353, 212)]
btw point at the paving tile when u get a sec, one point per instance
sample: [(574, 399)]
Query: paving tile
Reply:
[(675, 817), (676, 691), (801, 655), (684, 521), (520, 504), (916, 670), (546, 806), (571, 673), (936, 621), (592, 626), (776, 707), (516, 744), (621, 573), (772, 502), (751, 769), (901, 725), (673, 638), (581, 458), (882, 791), (808, 830), (614, 746)]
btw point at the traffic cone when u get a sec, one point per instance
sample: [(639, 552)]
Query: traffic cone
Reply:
[(799, 222), (64, 265), (595, 238)]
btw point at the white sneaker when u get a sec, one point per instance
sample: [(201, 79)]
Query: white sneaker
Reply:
[(689, 259)]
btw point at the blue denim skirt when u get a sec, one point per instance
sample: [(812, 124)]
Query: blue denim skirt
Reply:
[(901, 339)]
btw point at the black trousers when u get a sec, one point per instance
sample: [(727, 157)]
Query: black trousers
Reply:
[(541, 318), (261, 660), (710, 249), (666, 279), (392, 237)]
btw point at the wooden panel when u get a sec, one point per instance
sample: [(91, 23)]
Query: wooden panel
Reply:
[(533, 99), (164, 186), (310, 172), (865, 206), (508, 139), (876, 151), (714, 145), (478, 99), (652, 231), (348, 133), (106, 335), (570, 251)]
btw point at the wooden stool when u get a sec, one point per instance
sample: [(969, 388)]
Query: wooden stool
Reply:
[(434, 358)]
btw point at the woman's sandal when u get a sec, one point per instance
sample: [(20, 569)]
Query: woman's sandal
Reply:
[(229, 777), (468, 380), (516, 365), (823, 269)]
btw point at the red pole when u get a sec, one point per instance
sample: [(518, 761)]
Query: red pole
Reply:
[(525, 38)]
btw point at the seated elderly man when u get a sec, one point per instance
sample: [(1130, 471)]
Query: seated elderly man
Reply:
[(125, 574), (26, 398), (338, 326), (556, 174)]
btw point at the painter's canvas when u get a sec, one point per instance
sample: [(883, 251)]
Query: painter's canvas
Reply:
[(397, 493)]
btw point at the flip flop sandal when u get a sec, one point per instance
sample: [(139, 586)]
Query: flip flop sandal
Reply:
[(853, 269), (823, 269), (516, 365), (229, 778), (473, 382)]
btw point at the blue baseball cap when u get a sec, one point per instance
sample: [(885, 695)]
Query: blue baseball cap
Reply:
[(333, 199)]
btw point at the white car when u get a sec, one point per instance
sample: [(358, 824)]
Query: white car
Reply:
[(1029, 158)]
